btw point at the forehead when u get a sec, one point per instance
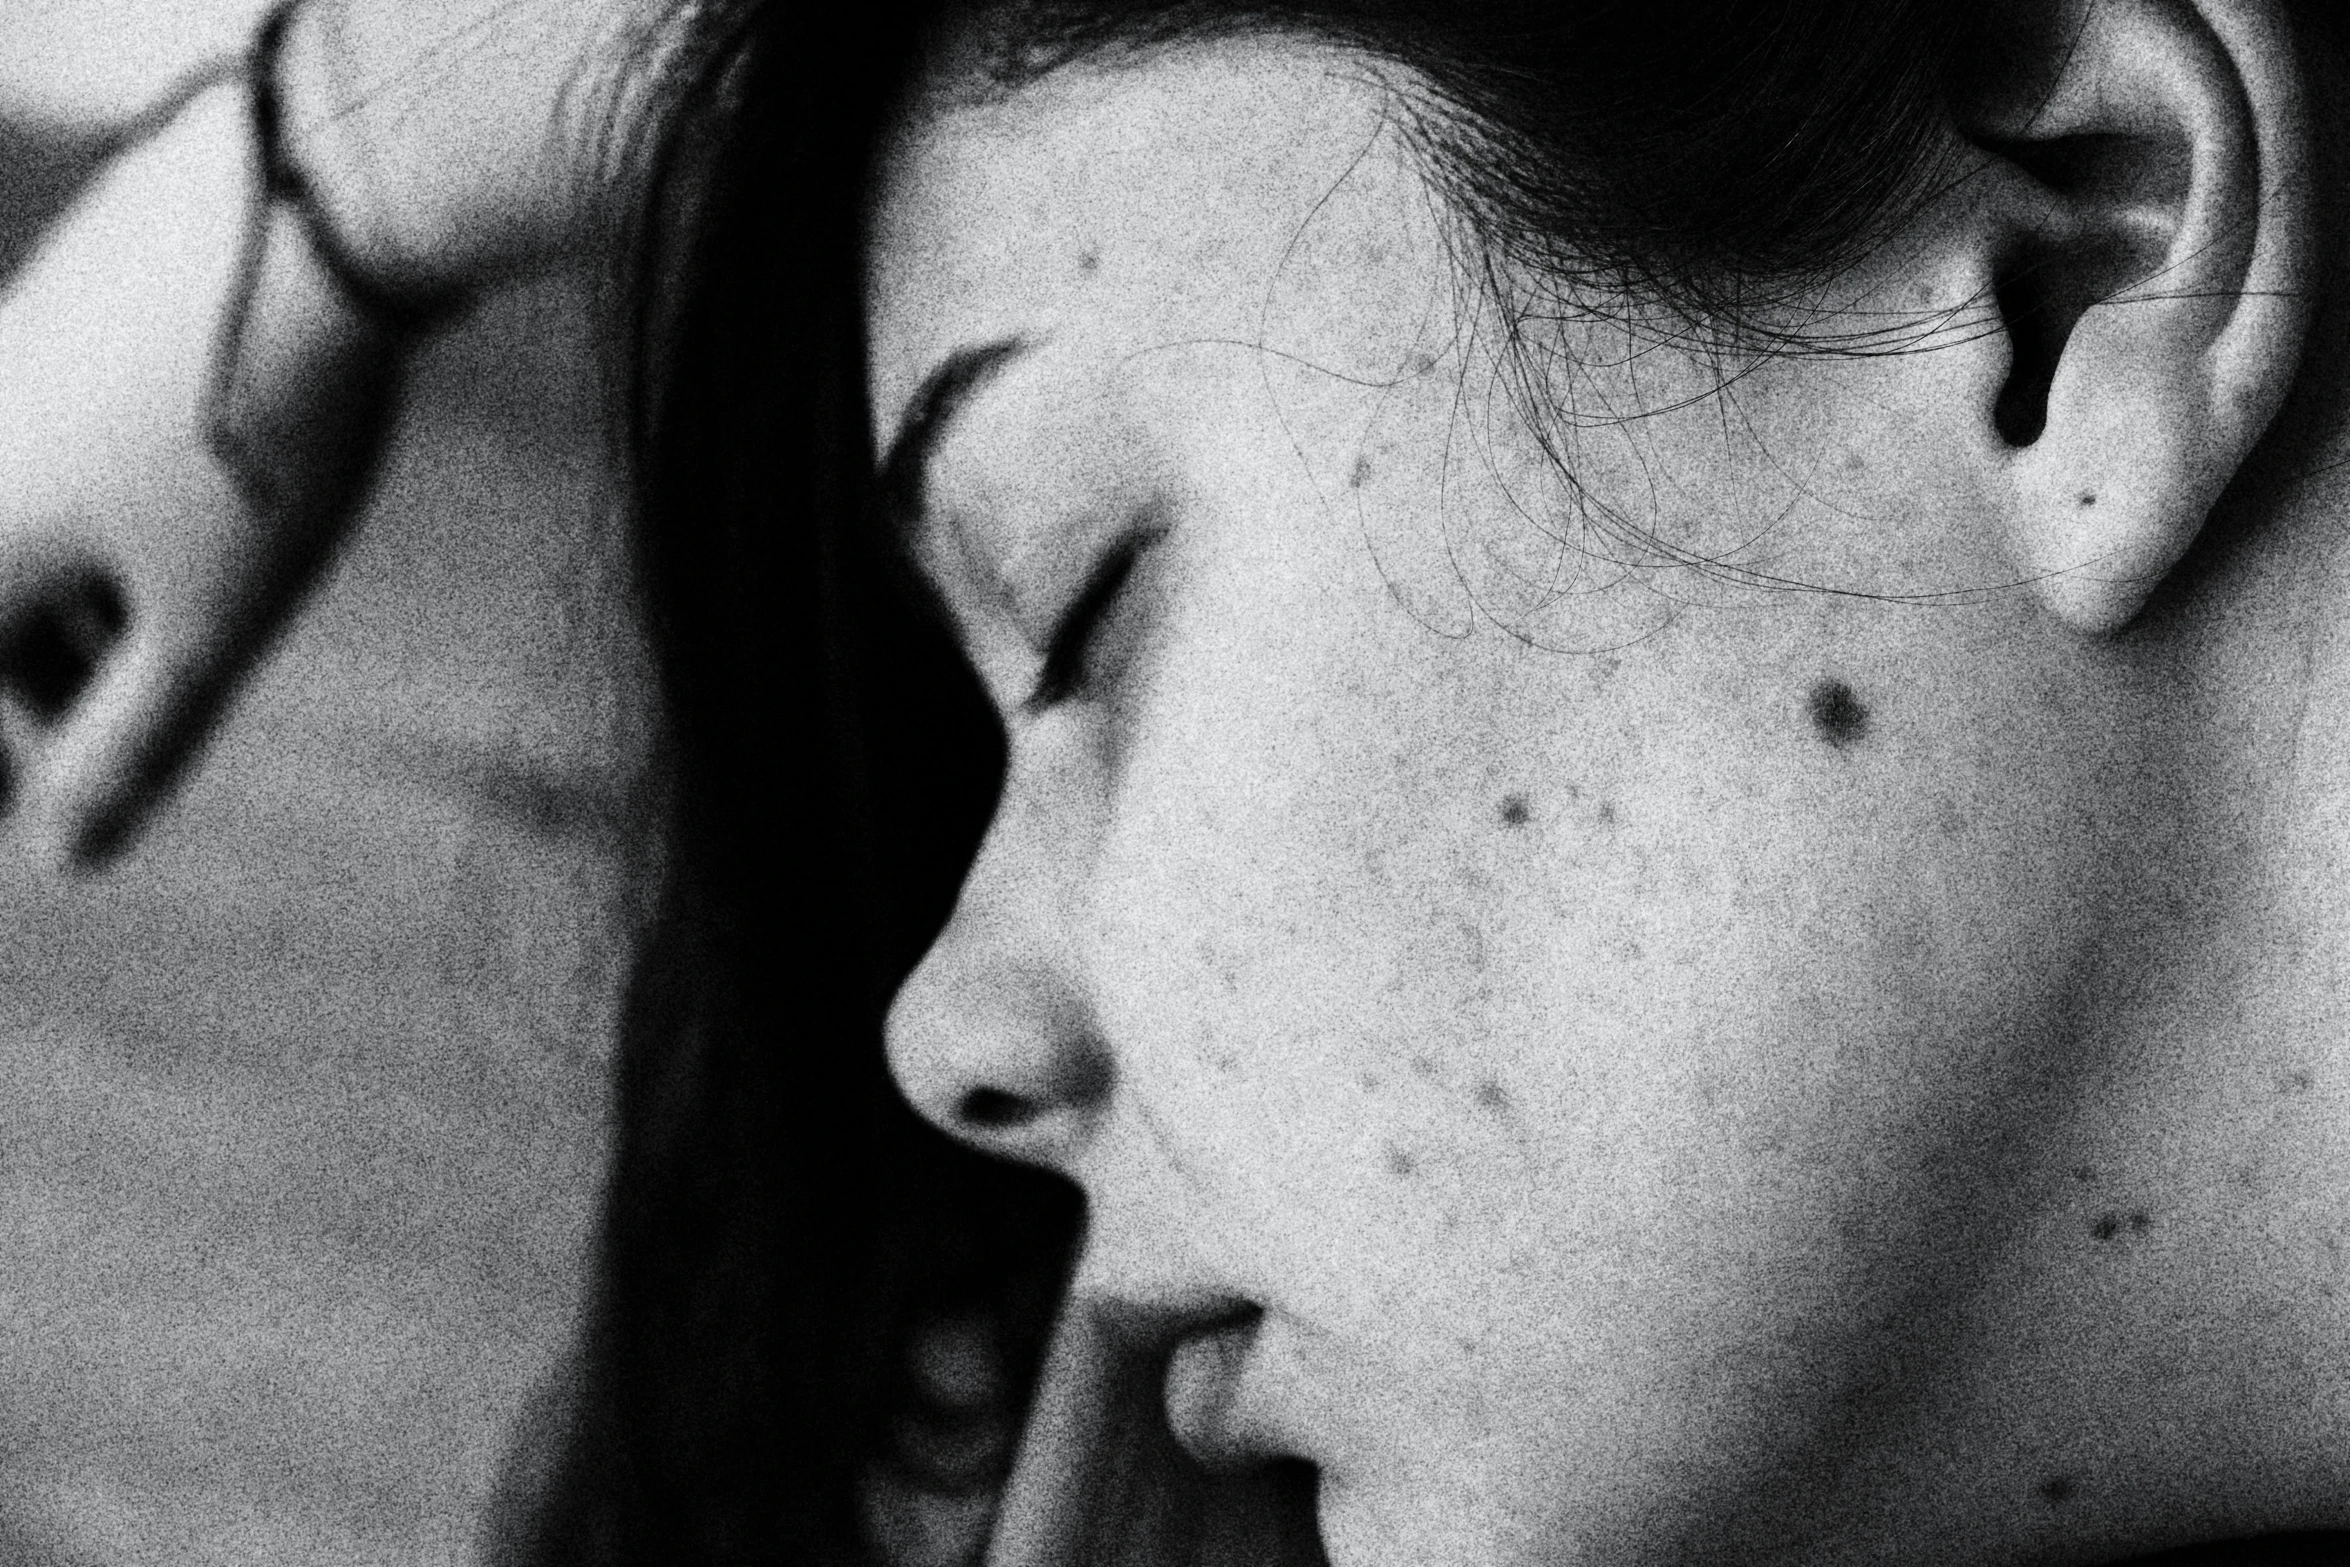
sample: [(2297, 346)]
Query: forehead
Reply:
[(1234, 193)]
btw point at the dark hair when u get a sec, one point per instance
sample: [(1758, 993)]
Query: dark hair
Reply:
[(775, 1213), (1696, 155)]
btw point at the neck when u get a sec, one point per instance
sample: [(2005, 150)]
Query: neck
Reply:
[(2162, 1353)]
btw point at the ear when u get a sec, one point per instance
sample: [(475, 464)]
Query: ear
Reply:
[(2154, 273), (172, 472)]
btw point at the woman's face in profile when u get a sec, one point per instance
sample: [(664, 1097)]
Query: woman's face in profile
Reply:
[(1569, 918)]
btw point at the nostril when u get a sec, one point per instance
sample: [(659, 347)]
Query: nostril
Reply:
[(991, 1109), (53, 651)]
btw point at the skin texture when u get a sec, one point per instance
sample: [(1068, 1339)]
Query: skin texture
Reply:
[(1606, 1057)]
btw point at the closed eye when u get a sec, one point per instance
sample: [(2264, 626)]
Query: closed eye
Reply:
[(1066, 669)]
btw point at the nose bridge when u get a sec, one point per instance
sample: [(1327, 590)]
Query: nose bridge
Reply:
[(994, 1038)]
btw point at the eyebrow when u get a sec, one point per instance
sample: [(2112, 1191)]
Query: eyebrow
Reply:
[(905, 468)]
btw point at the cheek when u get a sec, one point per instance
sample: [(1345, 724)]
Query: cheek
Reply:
[(1584, 1022), (1377, 926), (1303, 921)]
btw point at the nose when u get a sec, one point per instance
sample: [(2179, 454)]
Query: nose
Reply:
[(993, 1038)]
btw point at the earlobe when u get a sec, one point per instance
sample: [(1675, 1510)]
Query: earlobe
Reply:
[(2153, 275)]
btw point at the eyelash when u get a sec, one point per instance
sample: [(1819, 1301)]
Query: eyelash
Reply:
[(1064, 674)]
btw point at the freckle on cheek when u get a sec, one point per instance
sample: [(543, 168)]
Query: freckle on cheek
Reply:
[(1838, 713), (1515, 812), (1400, 1162)]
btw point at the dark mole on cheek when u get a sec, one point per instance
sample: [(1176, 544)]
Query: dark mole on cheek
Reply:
[(2057, 1490), (1492, 1096), (1838, 713), (1514, 810), (1401, 1162), (2088, 499)]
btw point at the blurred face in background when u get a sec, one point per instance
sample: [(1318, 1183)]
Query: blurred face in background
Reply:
[(1544, 891)]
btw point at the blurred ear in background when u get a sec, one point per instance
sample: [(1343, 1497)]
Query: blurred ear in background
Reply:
[(307, 1117)]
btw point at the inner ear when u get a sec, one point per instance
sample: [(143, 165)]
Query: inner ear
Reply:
[(2120, 197), (50, 655)]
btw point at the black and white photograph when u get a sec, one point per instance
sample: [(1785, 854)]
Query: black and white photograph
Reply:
[(1174, 783)]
